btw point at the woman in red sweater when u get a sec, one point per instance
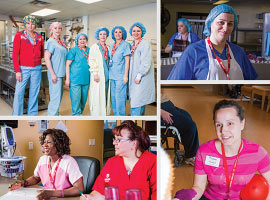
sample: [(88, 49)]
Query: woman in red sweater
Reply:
[(28, 49)]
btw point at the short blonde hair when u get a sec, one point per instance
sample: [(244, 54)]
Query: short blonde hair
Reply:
[(53, 25)]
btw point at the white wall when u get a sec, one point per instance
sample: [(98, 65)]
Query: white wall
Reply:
[(146, 14)]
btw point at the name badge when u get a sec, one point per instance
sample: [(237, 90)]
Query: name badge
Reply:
[(212, 161)]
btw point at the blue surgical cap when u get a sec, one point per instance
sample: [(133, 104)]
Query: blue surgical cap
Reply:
[(185, 21), (101, 29), (123, 31), (216, 11), (139, 25), (78, 36)]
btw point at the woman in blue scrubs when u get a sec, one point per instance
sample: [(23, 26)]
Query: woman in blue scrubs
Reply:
[(215, 58), (141, 71), (184, 33), (118, 69), (55, 58), (77, 74)]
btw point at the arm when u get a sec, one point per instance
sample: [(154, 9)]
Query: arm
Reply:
[(95, 195), (68, 63), (125, 78), (15, 56), (32, 180), (49, 65), (70, 192), (42, 47), (168, 48), (199, 185)]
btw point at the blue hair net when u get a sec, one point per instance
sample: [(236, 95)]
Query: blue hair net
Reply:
[(101, 29), (139, 25), (78, 36), (185, 21), (123, 31), (216, 11)]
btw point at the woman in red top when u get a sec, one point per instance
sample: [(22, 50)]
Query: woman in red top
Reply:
[(28, 49), (133, 167)]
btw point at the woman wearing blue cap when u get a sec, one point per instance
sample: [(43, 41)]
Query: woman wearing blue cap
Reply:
[(215, 58), (99, 93), (118, 70), (184, 35), (77, 74), (141, 71)]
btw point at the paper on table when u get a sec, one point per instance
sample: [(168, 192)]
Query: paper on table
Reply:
[(22, 194)]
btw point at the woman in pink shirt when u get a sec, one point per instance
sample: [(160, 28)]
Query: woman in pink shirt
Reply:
[(56, 170), (223, 166)]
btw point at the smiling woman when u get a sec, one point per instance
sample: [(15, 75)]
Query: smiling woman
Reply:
[(215, 58)]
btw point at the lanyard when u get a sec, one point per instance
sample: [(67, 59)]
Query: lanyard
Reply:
[(35, 37), (52, 179), (114, 48), (218, 59), (228, 180), (135, 47), (59, 42), (83, 52), (105, 51)]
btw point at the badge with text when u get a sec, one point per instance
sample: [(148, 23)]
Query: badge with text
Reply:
[(212, 161)]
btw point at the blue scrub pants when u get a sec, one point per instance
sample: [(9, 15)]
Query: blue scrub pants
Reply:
[(78, 95), (34, 75), (118, 97), (56, 93), (138, 111)]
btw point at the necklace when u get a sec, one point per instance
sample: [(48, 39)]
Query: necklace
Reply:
[(134, 47), (52, 179), (83, 52), (59, 42), (105, 51)]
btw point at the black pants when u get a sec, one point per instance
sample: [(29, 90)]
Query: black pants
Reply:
[(186, 126), (204, 198)]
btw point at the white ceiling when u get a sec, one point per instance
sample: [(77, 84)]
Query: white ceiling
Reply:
[(69, 8), (231, 2)]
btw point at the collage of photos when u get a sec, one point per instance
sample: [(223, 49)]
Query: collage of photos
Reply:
[(135, 100)]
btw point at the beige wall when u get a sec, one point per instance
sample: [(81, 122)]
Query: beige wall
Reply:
[(246, 12), (79, 132)]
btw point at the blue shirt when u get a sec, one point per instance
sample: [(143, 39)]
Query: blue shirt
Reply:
[(194, 63), (58, 56), (117, 68), (79, 68)]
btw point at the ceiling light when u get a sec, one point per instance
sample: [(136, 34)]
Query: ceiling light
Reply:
[(45, 12), (220, 2), (88, 1)]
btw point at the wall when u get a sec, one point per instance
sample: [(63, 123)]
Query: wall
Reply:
[(79, 131)]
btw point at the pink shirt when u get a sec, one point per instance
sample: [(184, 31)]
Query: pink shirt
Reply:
[(252, 158), (67, 174)]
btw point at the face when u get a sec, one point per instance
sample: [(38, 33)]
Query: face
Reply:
[(182, 28), (228, 126), (29, 26), (102, 36), (57, 30), (136, 33), (118, 34), (82, 41), (122, 148), (48, 146), (222, 26)]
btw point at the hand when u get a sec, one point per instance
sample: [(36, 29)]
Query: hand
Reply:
[(96, 78), (88, 197), (54, 78), (19, 76), (44, 194), (125, 79), (67, 82), (137, 81), (166, 116), (16, 185)]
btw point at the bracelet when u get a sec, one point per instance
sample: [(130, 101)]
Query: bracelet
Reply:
[(63, 194)]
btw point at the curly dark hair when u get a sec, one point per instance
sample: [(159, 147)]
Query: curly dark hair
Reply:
[(60, 139), (135, 133), (229, 104)]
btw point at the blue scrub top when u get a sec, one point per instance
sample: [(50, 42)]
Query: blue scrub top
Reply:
[(79, 68), (194, 63), (117, 68), (58, 56), (194, 38)]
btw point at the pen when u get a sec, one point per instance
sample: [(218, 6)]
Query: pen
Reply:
[(81, 193)]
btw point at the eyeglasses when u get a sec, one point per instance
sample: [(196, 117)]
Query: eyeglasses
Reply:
[(120, 140)]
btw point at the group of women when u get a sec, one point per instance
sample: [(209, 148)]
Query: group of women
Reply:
[(109, 72), (214, 58), (133, 166)]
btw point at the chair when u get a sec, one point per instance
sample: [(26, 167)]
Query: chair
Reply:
[(263, 91), (268, 104), (246, 90), (90, 168)]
